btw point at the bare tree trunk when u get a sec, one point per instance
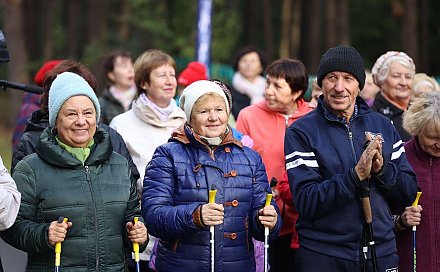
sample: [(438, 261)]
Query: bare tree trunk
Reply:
[(312, 36), (268, 27), (50, 10), (124, 22), (331, 18), (409, 30), (423, 63), (13, 30), (285, 27), (96, 22), (344, 22), (250, 25), (295, 36), (73, 27)]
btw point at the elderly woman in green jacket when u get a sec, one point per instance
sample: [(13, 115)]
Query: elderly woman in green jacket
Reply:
[(74, 174)]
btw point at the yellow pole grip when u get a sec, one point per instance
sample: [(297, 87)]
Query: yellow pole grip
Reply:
[(212, 194), (268, 200), (58, 246), (136, 245), (416, 202)]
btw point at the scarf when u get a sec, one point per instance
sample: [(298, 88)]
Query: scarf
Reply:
[(123, 96), (254, 90), (162, 113), (81, 153)]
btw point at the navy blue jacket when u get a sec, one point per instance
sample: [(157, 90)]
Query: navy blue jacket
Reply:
[(176, 183), (320, 151)]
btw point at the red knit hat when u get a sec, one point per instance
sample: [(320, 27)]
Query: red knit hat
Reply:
[(193, 72), (39, 76)]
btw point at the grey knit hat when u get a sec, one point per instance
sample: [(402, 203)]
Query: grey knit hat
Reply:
[(344, 59)]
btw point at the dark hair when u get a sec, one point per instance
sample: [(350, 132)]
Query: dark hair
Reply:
[(65, 66), (293, 71), (246, 50), (109, 61)]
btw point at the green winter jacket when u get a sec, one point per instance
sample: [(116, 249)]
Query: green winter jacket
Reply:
[(98, 198)]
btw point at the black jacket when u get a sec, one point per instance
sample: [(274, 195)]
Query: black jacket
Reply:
[(40, 121), (383, 106)]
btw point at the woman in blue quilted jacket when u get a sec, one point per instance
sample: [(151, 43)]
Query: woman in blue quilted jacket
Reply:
[(199, 157)]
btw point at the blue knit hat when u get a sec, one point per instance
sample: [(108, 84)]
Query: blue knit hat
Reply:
[(65, 86)]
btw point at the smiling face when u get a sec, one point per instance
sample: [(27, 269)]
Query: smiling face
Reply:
[(398, 83), (429, 140), (76, 121), (162, 86), (279, 96), (209, 116), (340, 90)]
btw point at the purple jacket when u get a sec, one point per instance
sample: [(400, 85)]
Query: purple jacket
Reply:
[(427, 169)]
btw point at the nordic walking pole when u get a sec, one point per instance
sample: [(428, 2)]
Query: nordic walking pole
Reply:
[(266, 236), (136, 249), (366, 205), (212, 193), (58, 247), (414, 229)]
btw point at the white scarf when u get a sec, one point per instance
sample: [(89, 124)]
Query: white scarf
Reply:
[(254, 90)]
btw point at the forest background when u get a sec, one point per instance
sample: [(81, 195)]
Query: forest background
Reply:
[(86, 30)]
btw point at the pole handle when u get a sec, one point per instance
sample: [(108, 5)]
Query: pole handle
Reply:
[(212, 194), (136, 245), (415, 203), (268, 200), (61, 219), (367, 209)]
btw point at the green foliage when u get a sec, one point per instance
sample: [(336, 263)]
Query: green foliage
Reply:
[(373, 34)]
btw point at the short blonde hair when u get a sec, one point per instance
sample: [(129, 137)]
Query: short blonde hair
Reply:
[(423, 113), (423, 79), (147, 62)]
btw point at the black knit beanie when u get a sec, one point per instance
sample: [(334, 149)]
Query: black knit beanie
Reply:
[(344, 59)]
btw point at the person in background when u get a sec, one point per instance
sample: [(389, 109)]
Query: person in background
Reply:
[(200, 156), (9, 200), (423, 83), (422, 121), (394, 73), (30, 103), (286, 83), (370, 89), (193, 71), (334, 155), (39, 120), (117, 97), (316, 93), (247, 82), (153, 117), (76, 175)]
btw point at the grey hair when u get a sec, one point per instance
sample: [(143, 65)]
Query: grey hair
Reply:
[(381, 68), (423, 113)]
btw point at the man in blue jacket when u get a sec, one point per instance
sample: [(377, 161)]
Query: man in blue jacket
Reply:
[(337, 156)]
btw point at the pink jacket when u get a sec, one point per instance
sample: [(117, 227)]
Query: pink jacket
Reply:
[(427, 169), (267, 129)]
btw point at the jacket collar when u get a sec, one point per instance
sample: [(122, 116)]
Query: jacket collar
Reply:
[(50, 151), (185, 135), (324, 110)]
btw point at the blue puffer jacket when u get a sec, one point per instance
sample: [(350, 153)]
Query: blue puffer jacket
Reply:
[(320, 151), (176, 183)]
